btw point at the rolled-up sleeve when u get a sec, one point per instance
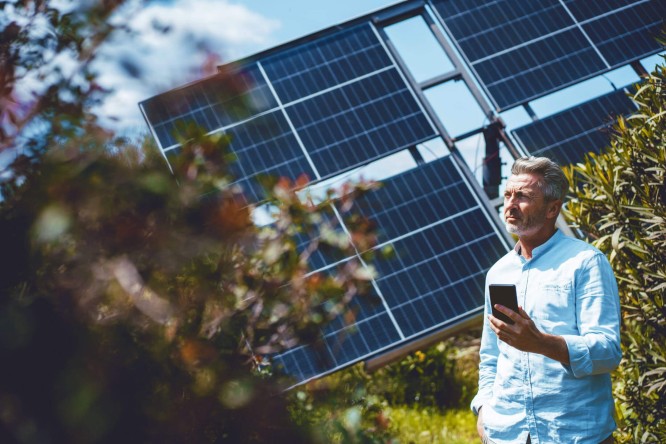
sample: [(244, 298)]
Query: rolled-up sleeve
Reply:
[(597, 347)]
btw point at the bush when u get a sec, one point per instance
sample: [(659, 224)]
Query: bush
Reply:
[(424, 396), (619, 205), (443, 376)]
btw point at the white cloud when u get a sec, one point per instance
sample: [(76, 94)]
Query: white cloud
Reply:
[(170, 44)]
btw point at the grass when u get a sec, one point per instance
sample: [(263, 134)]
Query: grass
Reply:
[(429, 425)]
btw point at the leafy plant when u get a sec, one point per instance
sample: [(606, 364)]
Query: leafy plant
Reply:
[(619, 204)]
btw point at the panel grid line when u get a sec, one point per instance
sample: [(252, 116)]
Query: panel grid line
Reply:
[(373, 281), (445, 253), (291, 125), (580, 27)]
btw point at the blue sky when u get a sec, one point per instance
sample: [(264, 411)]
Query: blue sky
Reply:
[(300, 17)]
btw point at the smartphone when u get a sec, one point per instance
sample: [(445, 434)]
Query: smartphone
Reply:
[(503, 294)]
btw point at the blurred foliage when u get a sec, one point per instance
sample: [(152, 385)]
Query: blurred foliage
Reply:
[(423, 397), (619, 204), (133, 308), (47, 84), (137, 305)]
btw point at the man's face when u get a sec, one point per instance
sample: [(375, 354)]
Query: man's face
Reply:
[(525, 208)]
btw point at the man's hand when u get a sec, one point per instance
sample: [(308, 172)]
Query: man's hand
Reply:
[(479, 425), (525, 336)]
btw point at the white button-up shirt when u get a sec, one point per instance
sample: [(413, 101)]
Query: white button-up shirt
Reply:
[(568, 289)]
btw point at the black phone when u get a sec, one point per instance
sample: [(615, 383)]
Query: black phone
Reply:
[(503, 294)]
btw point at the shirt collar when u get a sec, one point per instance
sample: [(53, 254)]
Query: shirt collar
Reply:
[(541, 249)]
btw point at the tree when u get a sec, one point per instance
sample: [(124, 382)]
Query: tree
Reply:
[(141, 306), (619, 204)]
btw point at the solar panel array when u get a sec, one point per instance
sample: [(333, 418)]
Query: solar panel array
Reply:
[(566, 136), (336, 100), (443, 242), (521, 50)]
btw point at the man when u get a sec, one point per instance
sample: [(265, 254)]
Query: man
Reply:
[(546, 378)]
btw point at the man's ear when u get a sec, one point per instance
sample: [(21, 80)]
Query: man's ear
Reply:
[(553, 209)]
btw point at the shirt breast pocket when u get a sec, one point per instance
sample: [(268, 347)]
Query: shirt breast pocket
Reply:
[(555, 306)]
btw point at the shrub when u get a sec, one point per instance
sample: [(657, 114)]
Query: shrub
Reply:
[(423, 393), (619, 204)]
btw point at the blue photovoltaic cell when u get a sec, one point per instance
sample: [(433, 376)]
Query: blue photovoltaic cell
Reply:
[(325, 63), (545, 65), (437, 274), (304, 362), (521, 50), (443, 244), (210, 103), (416, 198), (365, 329), (630, 34), (359, 122), (586, 10), (339, 348), (485, 28), (265, 145), (567, 136)]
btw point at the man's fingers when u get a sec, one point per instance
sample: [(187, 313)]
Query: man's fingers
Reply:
[(523, 313), (507, 311)]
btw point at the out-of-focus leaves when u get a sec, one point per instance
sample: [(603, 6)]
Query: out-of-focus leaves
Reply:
[(170, 273), (135, 302), (47, 85)]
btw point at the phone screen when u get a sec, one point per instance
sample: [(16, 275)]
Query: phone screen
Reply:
[(503, 294)]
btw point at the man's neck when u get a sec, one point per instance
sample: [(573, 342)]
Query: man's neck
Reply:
[(528, 243)]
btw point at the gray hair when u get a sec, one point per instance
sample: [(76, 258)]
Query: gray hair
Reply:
[(554, 184)]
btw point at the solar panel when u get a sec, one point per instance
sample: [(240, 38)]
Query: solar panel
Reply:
[(266, 145), (359, 122), (568, 135), (628, 34), (319, 108), (521, 50), (342, 344), (443, 242), (427, 195)]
